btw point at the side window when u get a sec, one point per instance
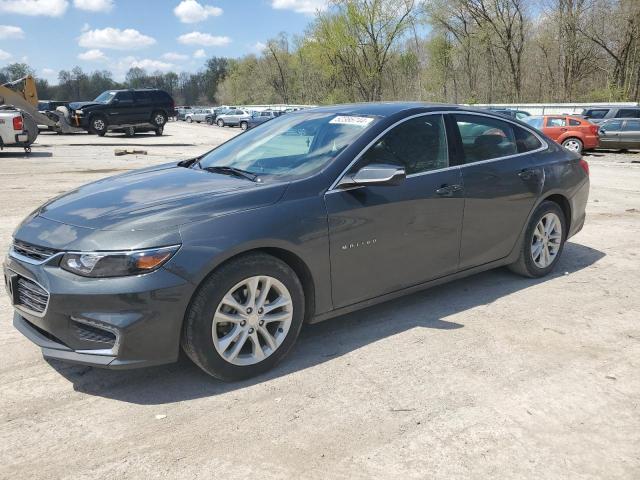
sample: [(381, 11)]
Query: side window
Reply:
[(597, 113), (125, 97), (418, 145), (574, 123), (631, 126), (613, 126), (525, 140), (142, 97), (484, 138), (556, 122), (627, 113)]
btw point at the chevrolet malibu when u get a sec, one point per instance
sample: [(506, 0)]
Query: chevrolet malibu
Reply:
[(306, 217)]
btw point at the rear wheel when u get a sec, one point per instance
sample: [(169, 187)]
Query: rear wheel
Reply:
[(98, 125), (220, 123), (244, 125), (573, 144), (210, 121), (130, 131), (244, 318), (159, 131), (543, 241)]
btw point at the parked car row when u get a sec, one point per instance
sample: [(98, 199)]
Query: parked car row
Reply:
[(603, 127)]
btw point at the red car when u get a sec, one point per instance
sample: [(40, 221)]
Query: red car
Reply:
[(573, 133)]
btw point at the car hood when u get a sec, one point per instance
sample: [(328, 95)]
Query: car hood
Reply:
[(157, 198), (77, 105)]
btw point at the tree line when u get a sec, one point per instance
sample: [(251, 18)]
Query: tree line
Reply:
[(460, 51)]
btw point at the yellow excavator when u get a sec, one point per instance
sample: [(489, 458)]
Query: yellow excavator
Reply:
[(23, 95)]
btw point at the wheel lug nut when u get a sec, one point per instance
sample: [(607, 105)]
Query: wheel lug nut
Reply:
[(243, 323), (249, 310), (251, 330), (261, 322), (260, 310)]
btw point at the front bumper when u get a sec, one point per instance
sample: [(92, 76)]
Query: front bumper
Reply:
[(120, 323)]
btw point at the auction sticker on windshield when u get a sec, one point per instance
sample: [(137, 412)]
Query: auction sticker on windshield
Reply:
[(349, 120)]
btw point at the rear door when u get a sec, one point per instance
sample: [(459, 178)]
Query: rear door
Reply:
[(501, 184), (630, 134), (385, 238), (610, 134), (143, 105), (555, 127)]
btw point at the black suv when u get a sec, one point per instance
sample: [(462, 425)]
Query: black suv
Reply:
[(124, 110)]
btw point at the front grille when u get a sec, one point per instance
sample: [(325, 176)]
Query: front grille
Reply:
[(33, 251), (30, 295), (93, 334)]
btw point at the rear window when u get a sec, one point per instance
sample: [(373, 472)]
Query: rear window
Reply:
[(596, 113), (574, 122), (628, 113), (556, 122)]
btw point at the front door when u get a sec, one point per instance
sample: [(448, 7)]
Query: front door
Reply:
[(122, 109), (610, 134), (385, 238), (501, 185)]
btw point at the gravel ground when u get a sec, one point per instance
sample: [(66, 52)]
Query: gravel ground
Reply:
[(493, 376)]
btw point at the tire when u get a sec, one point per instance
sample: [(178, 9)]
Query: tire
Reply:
[(244, 126), (205, 309), (526, 265), (130, 131), (159, 119), (98, 125), (220, 123), (573, 144), (210, 121), (159, 131)]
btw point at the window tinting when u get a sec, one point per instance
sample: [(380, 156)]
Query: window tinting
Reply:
[(628, 113), (525, 140), (143, 96), (614, 126), (631, 126), (484, 138), (556, 122), (596, 113), (574, 122), (125, 97), (418, 145)]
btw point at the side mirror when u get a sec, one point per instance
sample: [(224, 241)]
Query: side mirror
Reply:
[(375, 174)]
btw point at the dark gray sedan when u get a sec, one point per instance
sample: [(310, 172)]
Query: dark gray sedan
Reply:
[(309, 216), (620, 134)]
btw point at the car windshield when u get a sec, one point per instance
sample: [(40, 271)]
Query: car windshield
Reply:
[(535, 122), (292, 146), (105, 97)]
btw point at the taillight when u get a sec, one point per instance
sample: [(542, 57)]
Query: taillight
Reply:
[(18, 123), (594, 129), (584, 165)]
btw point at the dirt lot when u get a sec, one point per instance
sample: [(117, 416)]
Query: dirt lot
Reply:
[(493, 376)]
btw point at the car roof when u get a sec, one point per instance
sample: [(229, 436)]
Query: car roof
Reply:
[(386, 109)]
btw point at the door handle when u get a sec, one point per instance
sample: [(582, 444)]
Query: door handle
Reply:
[(448, 190), (564, 129), (527, 174)]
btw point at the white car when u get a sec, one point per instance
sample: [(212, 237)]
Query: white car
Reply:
[(16, 130)]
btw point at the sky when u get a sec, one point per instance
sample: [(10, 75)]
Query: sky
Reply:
[(115, 35)]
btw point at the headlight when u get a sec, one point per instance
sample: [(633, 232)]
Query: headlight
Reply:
[(116, 264), (79, 112)]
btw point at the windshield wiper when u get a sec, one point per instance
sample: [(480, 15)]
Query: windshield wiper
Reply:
[(233, 171)]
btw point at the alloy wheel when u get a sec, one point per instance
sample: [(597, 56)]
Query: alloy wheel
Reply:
[(99, 124), (547, 240), (572, 145), (252, 320)]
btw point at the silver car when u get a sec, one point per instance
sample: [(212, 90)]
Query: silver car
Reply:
[(620, 134), (198, 115), (234, 118)]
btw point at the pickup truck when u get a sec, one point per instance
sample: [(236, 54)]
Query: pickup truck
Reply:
[(16, 129)]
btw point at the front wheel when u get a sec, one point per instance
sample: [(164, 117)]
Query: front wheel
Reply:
[(244, 318), (220, 123), (158, 119), (573, 144), (159, 131), (543, 241), (99, 125), (130, 131), (244, 126)]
